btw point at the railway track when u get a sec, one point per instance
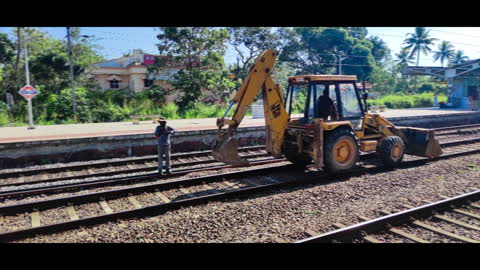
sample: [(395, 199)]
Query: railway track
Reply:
[(148, 163), (451, 219), (55, 185), (155, 198)]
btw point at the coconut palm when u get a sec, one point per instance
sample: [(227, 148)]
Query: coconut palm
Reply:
[(404, 57), (420, 41), (445, 52), (459, 58)]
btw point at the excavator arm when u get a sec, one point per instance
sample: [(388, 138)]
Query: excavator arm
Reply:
[(276, 118)]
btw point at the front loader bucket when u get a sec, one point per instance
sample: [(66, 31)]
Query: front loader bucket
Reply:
[(421, 142), (226, 151)]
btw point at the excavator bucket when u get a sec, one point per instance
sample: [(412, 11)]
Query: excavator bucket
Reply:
[(421, 142), (226, 151)]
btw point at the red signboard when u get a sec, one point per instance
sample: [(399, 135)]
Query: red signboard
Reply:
[(28, 92), (148, 59)]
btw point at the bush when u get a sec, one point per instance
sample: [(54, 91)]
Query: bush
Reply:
[(200, 110), (108, 112), (3, 114), (169, 111), (154, 93), (406, 101), (64, 106)]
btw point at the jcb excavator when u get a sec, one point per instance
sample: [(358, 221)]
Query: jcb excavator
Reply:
[(334, 127)]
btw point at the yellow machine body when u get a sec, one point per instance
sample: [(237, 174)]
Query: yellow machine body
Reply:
[(303, 140)]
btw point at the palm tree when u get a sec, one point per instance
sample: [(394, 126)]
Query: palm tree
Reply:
[(419, 42), (404, 57), (459, 58), (446, 52)]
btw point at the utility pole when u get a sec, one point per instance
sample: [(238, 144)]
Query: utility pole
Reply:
[(74, 100), (27, 77), (340, 59), (340, 65)]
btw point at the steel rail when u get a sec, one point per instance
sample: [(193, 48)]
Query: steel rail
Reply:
[(395, 219), (456, 127), (145, 177), (314, 177), (116, 193), (136, 160), (98, 164), (118, 180), (135, 170)]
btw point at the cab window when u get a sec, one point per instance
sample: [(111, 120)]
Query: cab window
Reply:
[(350, 102)]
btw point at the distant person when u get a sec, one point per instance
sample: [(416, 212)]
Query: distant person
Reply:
[(326, 107), (162, 133), (473, 96)]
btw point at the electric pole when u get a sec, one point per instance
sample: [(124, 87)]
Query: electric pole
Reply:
[(27, 77), (340, 59), (74, 101)]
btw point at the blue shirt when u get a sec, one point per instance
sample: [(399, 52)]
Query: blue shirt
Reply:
[(163, 134)]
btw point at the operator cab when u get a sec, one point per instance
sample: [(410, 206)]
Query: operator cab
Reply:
[(330, 97)]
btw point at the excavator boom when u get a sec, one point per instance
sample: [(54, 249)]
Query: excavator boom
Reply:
[(276, 118)]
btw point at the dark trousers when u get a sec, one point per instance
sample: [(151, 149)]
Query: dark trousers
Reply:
[(163, 150)]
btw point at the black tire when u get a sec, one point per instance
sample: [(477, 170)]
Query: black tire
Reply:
[(336, 136), (387, 151), (290, 151)]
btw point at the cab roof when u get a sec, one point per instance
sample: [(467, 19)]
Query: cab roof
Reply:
[(301, 79)]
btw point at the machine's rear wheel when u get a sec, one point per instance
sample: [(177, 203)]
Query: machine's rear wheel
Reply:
[(341, 150), (290, 151), (391, 150)]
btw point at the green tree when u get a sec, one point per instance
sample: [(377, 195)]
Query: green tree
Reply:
[(361, 63), (380, 49), (445, 52), (459, 58), (316, 50), (249, 42), (7, 49), (419, 42), (404, 58), (199, 51)]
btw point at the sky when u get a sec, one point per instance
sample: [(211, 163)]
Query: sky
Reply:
[(115, 41)]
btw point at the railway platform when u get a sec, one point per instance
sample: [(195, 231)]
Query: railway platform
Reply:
[(76, 142)]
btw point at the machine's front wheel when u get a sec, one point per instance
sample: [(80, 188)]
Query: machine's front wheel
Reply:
[(391, 150), (341, 150)]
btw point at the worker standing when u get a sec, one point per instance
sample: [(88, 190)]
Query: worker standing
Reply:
[(162, 133)]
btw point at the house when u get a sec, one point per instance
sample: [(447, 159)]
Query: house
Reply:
[(459, 78), (131, 72)]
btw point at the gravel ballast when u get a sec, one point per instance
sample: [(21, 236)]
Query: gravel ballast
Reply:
[(287, 213)]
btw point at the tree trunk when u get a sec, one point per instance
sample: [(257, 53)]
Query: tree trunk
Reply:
[(418, 60)]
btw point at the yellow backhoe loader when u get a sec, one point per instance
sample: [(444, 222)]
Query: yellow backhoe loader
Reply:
[(334, 127)]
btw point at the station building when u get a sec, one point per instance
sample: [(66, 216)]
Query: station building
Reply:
[(461, 79)]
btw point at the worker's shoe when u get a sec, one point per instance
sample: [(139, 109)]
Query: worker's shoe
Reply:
[(160, 172), (168, 172)]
